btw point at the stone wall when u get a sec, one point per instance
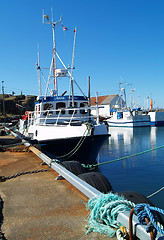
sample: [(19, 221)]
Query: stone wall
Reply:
[(18, 104)]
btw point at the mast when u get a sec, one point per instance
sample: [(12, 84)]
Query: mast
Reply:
[(131, 97), (71, 79), (54, 57), (54, 45), (97, 109), (123, 89), (38, 68), (89, 97)]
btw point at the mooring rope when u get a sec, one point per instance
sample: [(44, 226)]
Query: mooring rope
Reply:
[(155, 192), (146, 211), (79, 144), (104, 211), (122, 158)]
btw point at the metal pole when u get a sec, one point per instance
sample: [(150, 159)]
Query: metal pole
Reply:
[(38, 68), (54, 45), (97, 109), (3, 99), (89, 98), (54, 56), (71, 79)]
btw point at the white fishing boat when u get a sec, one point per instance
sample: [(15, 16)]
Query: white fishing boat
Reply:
[(62, 124), (122, 116), (156, 115), (128, 118), (157, 118)]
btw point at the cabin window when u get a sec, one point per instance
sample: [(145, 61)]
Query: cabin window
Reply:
[(46, 108), (119, 115), (84, 111), (60, 105), (73, 111)]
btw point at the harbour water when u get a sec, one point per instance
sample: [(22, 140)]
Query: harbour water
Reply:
[(143, 173)]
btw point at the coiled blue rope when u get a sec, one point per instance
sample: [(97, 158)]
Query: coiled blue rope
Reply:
[(146, 211)]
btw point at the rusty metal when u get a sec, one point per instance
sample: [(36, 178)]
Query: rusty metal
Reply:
[(131, 226), (151, 232), (21, 149)]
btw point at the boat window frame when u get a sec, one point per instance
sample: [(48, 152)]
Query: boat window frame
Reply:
[(46, 109), (83, 111), (64, 106), (75, 106)]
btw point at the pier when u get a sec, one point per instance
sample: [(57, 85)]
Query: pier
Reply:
[(36, 206)]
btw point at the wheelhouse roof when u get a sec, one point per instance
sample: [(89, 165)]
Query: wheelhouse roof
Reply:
[(60, 98)]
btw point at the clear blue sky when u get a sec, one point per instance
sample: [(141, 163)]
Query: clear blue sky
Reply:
[(117, 40)]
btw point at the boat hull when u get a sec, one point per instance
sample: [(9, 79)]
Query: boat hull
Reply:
[(157, 118), (84, 150), (130, 124), (136, 121)]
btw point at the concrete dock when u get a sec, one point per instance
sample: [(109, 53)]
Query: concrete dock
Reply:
[(36, 206)]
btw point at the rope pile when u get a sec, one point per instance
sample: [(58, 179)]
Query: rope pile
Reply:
[(104, 212), (146, 211), (105, 209)]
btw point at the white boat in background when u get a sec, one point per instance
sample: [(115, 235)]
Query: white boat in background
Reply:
[(127, 118), (156, 115), (62, 124), (156, 118)]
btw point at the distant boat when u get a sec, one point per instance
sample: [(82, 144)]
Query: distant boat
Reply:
[(62, 125), (128, 118), (156, 118), (119, 115)]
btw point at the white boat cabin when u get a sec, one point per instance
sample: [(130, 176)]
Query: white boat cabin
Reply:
[(60, 109)]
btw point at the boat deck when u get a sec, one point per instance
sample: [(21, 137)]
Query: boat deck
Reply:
[(36, 206)]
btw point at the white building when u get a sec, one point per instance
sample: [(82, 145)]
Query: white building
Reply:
[(107, 104)]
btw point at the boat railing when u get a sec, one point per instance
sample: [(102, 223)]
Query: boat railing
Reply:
[(48, 116)]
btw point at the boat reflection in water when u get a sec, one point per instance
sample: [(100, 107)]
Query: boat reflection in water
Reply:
[(141, 173), (121, 134)]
